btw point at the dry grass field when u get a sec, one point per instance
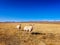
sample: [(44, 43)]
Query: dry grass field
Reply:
[(48, 34)]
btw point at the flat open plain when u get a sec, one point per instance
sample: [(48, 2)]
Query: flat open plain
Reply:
[(48, 34)]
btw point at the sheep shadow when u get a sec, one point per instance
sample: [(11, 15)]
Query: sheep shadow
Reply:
[(38, 33)]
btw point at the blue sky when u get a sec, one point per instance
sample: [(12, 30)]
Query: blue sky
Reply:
[(28, 10)]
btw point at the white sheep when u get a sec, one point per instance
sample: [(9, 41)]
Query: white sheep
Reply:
[(28, 28), (18, 26)]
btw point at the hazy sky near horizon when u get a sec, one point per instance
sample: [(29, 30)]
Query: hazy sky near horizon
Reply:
[(21, 10)]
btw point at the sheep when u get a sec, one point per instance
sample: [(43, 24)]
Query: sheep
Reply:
[(18, 26), (28, 28)]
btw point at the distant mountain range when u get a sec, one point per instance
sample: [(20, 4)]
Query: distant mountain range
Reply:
[(55, 22)]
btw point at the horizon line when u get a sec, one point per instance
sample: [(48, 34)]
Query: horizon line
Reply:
[(31, 21)]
